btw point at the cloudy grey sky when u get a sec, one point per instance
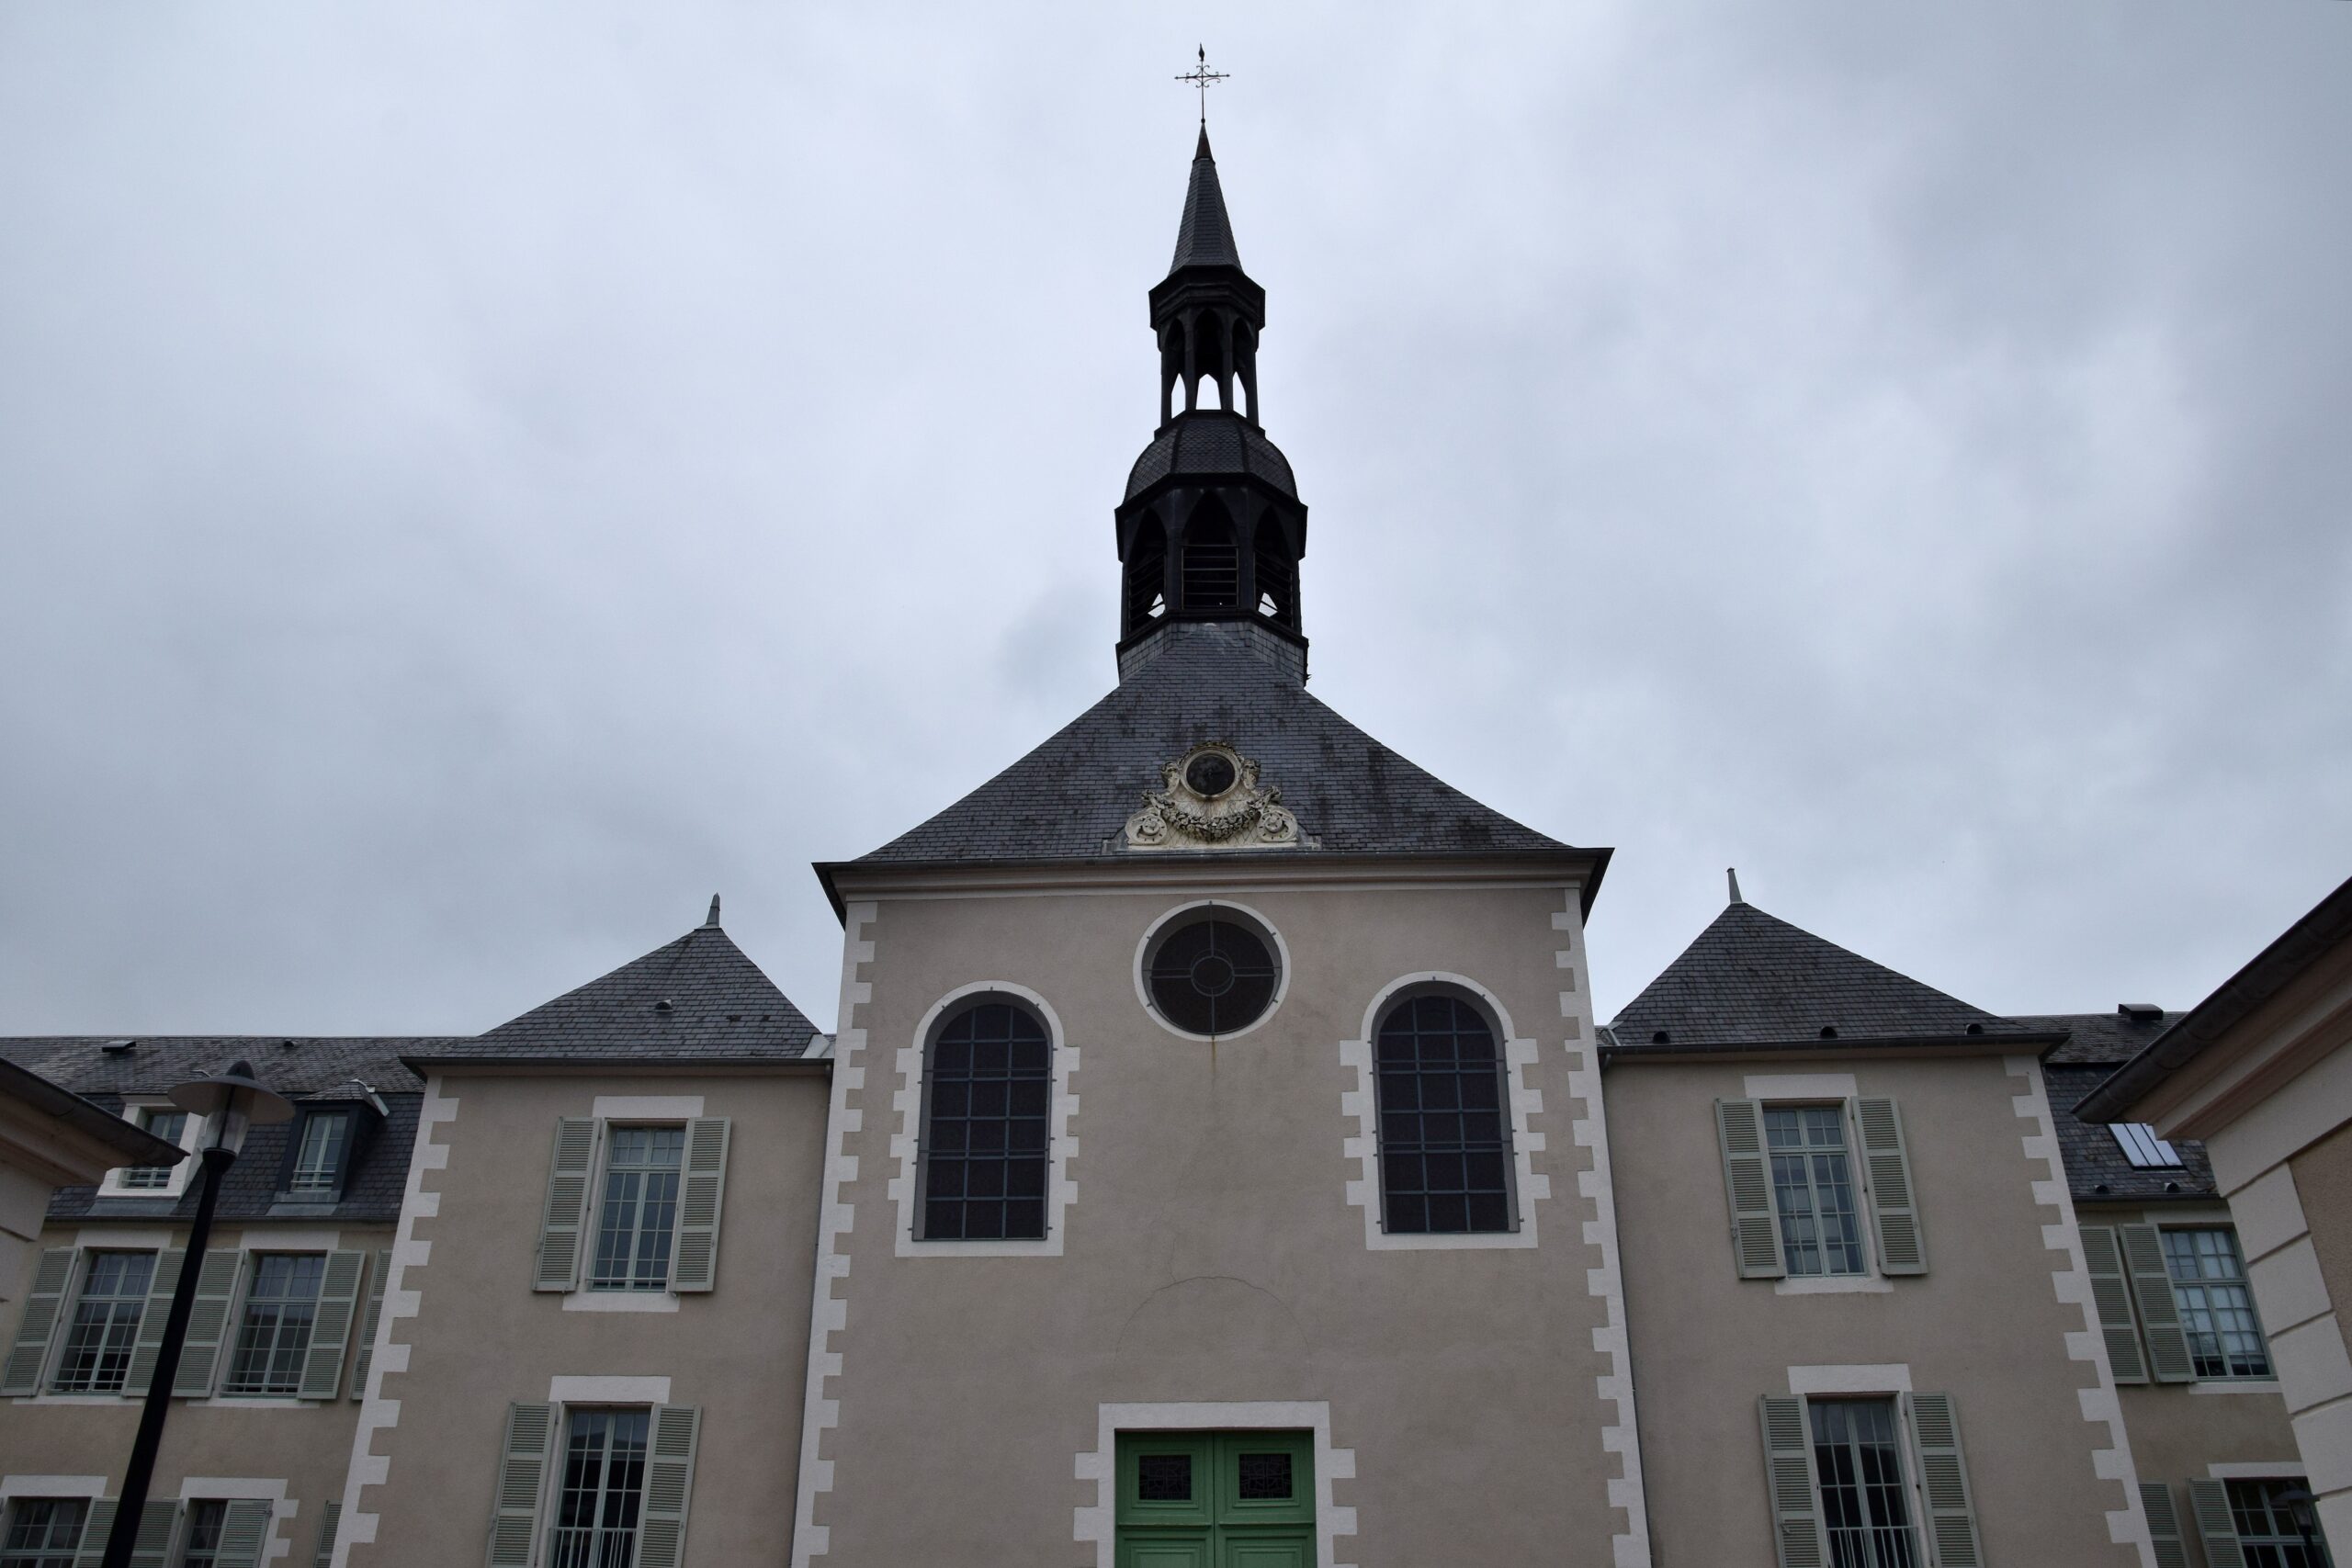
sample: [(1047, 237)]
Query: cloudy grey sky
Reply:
[(476, 480)]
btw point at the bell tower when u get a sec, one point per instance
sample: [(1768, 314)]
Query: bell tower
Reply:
[(1212, 528)]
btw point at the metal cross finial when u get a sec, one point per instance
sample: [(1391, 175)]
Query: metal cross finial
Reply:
[(1204, 78)]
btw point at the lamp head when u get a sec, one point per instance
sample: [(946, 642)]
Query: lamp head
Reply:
[(237, 1099)]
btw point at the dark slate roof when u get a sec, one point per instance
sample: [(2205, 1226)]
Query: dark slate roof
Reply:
[(1211, 442), (1752, 979), (1070, 797), (720, 1006), (1205, 237), (2105, 1039), (2097, 1171), (303, 1068)]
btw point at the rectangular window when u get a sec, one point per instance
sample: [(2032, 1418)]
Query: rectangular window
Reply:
[(167, 1124), (43, 1532), (1865, 1510), (2267, 1527), (1813, 1188), (105, 1323), (318, 1159), (2216, 1307), (274, 1331), (2141, 1146), (604, 1489), (640, 1212), (205, 1521)]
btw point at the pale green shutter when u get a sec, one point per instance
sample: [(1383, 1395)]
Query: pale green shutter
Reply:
[(148, 1548), (153, 1545), (2210, 1501), (158, 1312), (669, 1483), (244, 1530), (331, 1326), (1787, 1476), (1747, 1183), (2111, 1293), (329, 1518), (2143, 1256), (522, 1471), (97, 1523), (1943, 1480), (567, 1206), (1895, 1206), (207, 1324), (2164, 1524), (378, 1276), (44, 1305), (702, 1193)]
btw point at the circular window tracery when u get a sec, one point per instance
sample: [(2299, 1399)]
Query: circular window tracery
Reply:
[(1213, 973)]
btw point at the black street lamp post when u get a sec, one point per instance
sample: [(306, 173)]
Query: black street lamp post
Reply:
[(233, 1102)]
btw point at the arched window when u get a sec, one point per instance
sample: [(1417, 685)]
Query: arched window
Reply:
[(986, 1099), (1445, 1151), (1204, 392), (1146, 573), (1211, 560), (1277, 578)]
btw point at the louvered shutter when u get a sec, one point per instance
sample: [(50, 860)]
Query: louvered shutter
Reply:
[(2164, 1524), (330, 1326), (329, 1518), (2143, 1258), (567, 1206), (669, 1485), (522, 1471), (1895, 1204), (207, 1324), (148, 1548), (97, 1523), (1943, 1480), (244, 1530), (2111, 1293), (2210, 1501), (1747, 1183), (377, 1277), (44, 1306), (158, 1312), (1787, 1476), (702, 1193)]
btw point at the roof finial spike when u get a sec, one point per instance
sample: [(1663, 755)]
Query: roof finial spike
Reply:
[(714, 911), (1732, 872), (1201, 76)]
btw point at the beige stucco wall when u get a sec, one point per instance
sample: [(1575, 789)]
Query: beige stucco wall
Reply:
[(302, 1444), (483, 1337), (1984, 1325), (1212, 1254), (2323, 1183)]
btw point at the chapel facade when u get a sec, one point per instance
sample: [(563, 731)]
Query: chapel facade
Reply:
[(1217, 1164)]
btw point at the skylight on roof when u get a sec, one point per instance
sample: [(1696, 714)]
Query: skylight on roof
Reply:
[(2143, 1147)]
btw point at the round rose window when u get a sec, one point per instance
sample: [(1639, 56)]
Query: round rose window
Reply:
[(1215, 975)]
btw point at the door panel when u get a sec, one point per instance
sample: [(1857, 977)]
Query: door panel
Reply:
[(1166, 1548), (1216, 1500), (1293, 1549)]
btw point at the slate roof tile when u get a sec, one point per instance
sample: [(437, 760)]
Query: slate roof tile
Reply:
[(1070, 798), (1751, 978), (2097, 1171)]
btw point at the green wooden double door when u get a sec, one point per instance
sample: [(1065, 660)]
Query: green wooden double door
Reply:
[(1216, 1500)]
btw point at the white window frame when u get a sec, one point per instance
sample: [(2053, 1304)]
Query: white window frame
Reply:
[(69, 1309), (191, 1139), (1857, 1177), (551, 1483), (224, 1362), (338, 1170), (591, 1233)]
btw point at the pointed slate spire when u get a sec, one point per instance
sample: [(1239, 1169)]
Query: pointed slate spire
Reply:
[(1205, 236), (713, 917), (1732, 872)]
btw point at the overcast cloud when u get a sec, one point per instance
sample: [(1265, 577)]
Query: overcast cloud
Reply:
[(476, 480)]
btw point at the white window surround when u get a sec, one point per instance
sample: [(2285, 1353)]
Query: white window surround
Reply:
[(620, 1300), (1870, 1284), (608, 1391), (2259, 1470), (108, 1238), (235, 1489), (1360, 1105), (1097, 1524), (646, 1107), (1891, 1377), (16, 1487), (2241, 1385), (191, 1139), (1816, 1088), (1282, 964), (1061, 1190)]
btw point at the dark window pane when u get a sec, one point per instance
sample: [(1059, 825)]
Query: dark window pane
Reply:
[(1164, 1478), (1442, 1169)]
